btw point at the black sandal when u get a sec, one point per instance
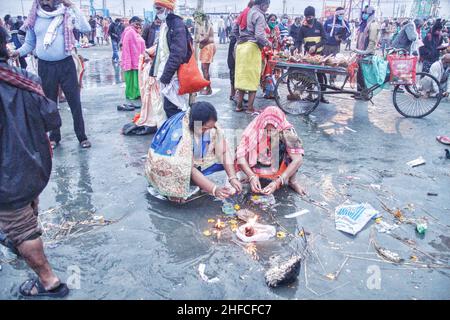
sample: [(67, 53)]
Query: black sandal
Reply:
[(125, 107), (27, 287)]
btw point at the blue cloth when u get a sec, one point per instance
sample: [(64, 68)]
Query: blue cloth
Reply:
[(35, 39), (284, 30), (168, 136)]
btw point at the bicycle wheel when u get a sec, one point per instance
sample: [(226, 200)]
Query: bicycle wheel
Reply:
[(417, 100), (297, 92)]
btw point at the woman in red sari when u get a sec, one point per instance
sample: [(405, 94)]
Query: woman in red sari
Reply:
[(267, 137)]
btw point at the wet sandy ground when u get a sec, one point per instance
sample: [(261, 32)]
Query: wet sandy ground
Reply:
[(154, 249)]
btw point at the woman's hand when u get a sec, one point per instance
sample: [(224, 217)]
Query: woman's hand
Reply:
[(223, 193), (235, 183), (255, 184), (272, 187)]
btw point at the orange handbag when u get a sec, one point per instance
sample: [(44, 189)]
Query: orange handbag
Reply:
[(190, 78)]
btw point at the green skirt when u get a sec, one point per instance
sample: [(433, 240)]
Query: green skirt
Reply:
[(132, 91)]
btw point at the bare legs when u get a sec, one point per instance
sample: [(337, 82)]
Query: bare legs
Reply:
[(251, 100), (33, 253), (206, 75)]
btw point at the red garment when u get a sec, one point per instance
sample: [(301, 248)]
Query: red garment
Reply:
[(254, 133), (20, 81), (242, 19)]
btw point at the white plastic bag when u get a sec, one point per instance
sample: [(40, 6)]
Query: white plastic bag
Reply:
[(263, 232), (351, 218)]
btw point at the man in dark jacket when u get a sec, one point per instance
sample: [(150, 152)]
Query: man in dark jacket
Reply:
[(336, 30), (151, 33), (165, 66), (26, 116), (312, 37), (115, 32)]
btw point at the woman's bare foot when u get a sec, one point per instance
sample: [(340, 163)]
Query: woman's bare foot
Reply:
[(297, 187)]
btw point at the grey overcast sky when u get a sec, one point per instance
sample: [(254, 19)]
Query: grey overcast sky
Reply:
[(293, 6)]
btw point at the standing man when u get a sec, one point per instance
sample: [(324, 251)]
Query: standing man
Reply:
[(312, 37), (115, 32), (221, 30), (386, 34), (151, 33), (337, 30), (294, 32), (367, 40), (25, 161), (93, 25), (174, 49), (50, 34)]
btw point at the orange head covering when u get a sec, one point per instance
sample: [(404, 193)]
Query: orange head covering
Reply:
[(169, 4)]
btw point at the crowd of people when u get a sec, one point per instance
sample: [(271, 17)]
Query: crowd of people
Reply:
[(189, 144)]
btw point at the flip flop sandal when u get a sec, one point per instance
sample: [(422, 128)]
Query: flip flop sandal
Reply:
[(85, 144), (239, 109), (252, 112), (125, 107), (443, 139), (27, 287)]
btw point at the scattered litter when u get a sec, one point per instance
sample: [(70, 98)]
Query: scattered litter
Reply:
[(383, 252), (296, 214), (388, 255), (421, 226), (251, 232), (375, 186), (432, 194), (281, 234), (201, 271), (284, 273), (352, 218), (350, 129), (384, 227), (413, 258), (399, 215), (331, 276), (206, 233), (417, 162)]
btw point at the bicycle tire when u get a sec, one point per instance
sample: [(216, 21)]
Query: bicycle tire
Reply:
[(286, 87), (409, 108)]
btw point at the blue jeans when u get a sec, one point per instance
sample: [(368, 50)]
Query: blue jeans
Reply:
[(115, 47)]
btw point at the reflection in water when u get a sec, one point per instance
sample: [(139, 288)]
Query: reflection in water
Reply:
[(100, 73), (74, 193)]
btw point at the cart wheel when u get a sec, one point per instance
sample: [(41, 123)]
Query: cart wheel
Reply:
[(297, 92), (417, 100)]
